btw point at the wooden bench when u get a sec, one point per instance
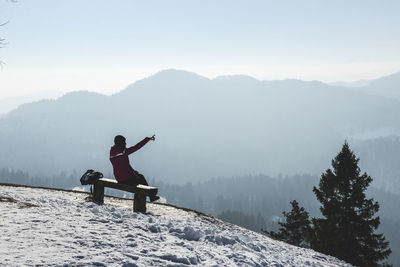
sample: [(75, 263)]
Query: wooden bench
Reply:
[(140, 191)]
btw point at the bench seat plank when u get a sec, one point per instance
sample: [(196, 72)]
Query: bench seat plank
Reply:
[(147, 190)]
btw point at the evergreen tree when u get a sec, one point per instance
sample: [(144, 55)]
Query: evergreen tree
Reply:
[(347, 231), (295, 228)]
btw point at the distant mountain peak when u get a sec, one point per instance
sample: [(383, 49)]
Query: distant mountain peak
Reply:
[(80, 94), (10, 103), (176, 74), (168, 77)]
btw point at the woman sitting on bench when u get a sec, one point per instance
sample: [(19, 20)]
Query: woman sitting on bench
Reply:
[(123, 171)]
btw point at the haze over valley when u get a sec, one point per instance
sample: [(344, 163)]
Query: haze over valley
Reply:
[(227, 126)]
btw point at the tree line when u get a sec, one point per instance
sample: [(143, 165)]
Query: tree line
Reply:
[(62, 180)]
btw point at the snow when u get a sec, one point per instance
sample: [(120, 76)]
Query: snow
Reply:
[(48, 227)]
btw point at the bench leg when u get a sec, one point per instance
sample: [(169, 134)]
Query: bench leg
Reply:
[(98, 193), (139, 202)]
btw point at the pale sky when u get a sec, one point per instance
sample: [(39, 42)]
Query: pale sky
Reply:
[(104, 46)]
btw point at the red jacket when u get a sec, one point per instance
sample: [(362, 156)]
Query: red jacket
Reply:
[(120, 160)]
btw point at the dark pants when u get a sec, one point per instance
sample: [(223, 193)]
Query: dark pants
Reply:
[(136, 179)]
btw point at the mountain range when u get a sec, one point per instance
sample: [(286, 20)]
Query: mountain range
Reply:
[(227, 126)]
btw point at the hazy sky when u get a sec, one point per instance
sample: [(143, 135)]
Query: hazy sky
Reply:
[(105, 45)]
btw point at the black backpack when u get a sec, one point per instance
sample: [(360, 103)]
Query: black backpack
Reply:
[(90, 177)]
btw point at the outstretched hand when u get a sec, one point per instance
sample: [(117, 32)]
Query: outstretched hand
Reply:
[(153, 137)]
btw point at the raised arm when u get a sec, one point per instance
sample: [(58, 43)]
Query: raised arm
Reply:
[(139, 145)]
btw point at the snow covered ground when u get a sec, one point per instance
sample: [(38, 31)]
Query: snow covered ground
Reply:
[(48, 227)]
